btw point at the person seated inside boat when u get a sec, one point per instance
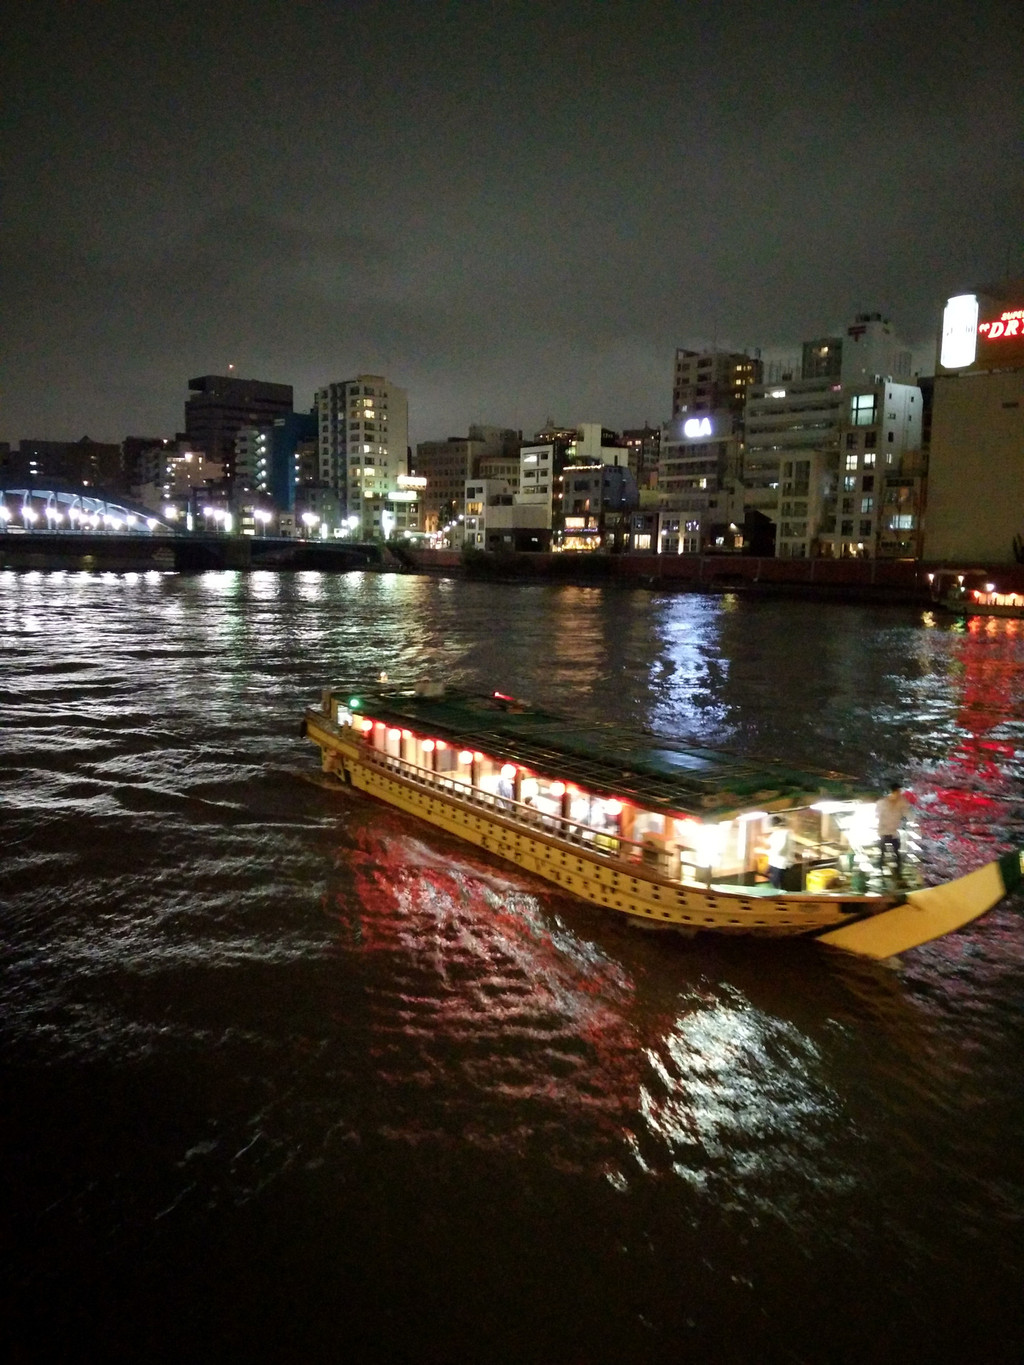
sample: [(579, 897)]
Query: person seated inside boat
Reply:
[(505, 790)]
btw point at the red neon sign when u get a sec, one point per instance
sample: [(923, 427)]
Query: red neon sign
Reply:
[(1008, 325)]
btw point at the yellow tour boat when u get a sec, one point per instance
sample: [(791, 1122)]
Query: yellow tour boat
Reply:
[(667, 834)]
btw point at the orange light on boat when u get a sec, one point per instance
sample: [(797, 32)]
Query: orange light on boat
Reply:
[(366, 726), (509, 771), (428, 746), (478, 758), (465, 756), (440, 744), (407, 734), (394, 734), (613, 807), (557, 789)]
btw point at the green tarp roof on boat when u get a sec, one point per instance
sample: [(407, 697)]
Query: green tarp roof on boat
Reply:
[(649, 769)]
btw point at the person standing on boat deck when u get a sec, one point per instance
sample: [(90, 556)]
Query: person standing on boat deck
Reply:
[(891, 811), (778, 851)]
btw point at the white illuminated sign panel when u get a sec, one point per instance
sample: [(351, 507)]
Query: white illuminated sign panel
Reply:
[(697, 426), (959, 332)]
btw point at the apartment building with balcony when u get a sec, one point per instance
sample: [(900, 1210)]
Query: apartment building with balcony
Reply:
[(363, 446)]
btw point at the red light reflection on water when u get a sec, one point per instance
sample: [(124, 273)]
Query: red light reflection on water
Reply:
[(484, 1011), (973, 800), (489, 1021)]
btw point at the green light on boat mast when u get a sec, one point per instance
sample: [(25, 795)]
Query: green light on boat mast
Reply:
[(355, 703)]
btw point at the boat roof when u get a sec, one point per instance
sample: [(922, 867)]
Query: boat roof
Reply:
[(603, 758)]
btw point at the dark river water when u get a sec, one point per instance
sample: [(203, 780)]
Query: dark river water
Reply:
[(287, 1076)]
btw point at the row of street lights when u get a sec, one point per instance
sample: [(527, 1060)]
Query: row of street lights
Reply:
[(222, 520), (77, 519)]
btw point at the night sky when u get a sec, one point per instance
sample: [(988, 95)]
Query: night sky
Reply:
[(514, 210)]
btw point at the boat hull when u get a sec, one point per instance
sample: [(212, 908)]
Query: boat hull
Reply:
[(627, 888)]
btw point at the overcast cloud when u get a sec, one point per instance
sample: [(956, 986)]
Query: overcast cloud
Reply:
[(516, 211)]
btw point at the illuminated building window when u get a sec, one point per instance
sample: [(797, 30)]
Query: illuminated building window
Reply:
[(862, 409)]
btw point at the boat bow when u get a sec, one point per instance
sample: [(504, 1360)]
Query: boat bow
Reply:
[(932, 911)]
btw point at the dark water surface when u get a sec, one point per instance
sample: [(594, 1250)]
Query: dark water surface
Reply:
[(287, 1076)]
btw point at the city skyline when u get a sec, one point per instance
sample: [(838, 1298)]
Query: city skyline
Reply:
[(516, 214)]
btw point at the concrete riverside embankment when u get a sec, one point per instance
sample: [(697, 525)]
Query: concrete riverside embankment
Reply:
[(878, 580)]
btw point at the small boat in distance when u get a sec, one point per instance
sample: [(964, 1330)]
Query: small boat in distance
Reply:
[(975, 592), (668, 835)]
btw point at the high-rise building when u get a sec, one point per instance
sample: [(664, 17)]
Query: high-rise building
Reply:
[(446, 465), (869, 348), (822, 459), (782, 418), (266, 456), (709, 381), (696, 481), (92, 464), (219, 406), (872, 350), (364, 448), (252, 461), (643, 444), (833, 459), (871, 503), (136, 452), (822, 358), (173, 480)]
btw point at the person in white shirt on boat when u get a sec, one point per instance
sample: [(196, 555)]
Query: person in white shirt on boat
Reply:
[(891, 811), (778, 851)]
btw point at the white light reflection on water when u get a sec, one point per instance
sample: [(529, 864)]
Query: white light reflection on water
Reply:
[(264, 586), (736, 1107), (220, 583), (311, 587), (689, 671)]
